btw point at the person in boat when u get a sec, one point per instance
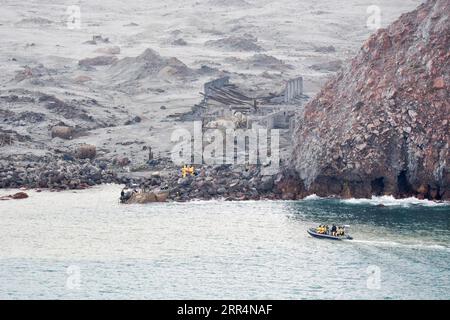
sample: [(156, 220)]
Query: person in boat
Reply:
[(125, 195), (319, 229), (333, 230), (340, 231)]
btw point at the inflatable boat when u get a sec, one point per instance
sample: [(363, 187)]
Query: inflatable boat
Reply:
[(312, 232)]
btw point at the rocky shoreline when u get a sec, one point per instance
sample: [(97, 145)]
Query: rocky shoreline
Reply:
[(223, 181), (58, 174), (233, 183)]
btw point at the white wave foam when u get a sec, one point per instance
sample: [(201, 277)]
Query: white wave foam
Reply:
[(391, 201), (425, 246), (313, 197)]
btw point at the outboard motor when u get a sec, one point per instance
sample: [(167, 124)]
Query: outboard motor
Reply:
[(125, 195)]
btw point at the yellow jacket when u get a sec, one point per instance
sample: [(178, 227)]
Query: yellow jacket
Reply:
[(187, 170)]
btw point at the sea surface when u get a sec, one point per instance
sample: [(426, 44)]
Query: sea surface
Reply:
[(84, 244)]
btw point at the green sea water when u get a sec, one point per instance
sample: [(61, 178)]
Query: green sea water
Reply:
[(84, 244)]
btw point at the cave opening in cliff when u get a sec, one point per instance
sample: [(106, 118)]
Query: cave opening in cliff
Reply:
[(404, 188), (438, 195), (377, 186)]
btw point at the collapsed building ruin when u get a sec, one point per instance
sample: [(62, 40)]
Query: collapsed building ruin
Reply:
[(226, 106), (223, 101)]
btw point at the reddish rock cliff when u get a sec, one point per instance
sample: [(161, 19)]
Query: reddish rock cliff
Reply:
[(381, 125)]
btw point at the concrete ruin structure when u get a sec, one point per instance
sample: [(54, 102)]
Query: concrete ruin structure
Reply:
[(226, 105), (217, 83), (281, 119), (294, 89), (226, 102), (209, 87)]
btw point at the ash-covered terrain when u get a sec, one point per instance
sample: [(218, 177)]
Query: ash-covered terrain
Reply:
[(118, 80)]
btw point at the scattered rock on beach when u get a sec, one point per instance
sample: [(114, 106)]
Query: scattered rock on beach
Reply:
[(16, 196), (86, 151), (62, 132)]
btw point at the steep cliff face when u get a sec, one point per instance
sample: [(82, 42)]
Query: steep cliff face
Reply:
[(381, 126)]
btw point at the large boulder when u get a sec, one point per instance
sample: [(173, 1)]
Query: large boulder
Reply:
[(148, 197), (86, 151), (16, 196), (121, 161), (62, 132)]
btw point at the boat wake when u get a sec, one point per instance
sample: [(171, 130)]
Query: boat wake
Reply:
[(422, 246), (390, 201)]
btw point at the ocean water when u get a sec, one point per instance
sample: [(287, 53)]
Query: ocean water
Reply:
[(84, 244)]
